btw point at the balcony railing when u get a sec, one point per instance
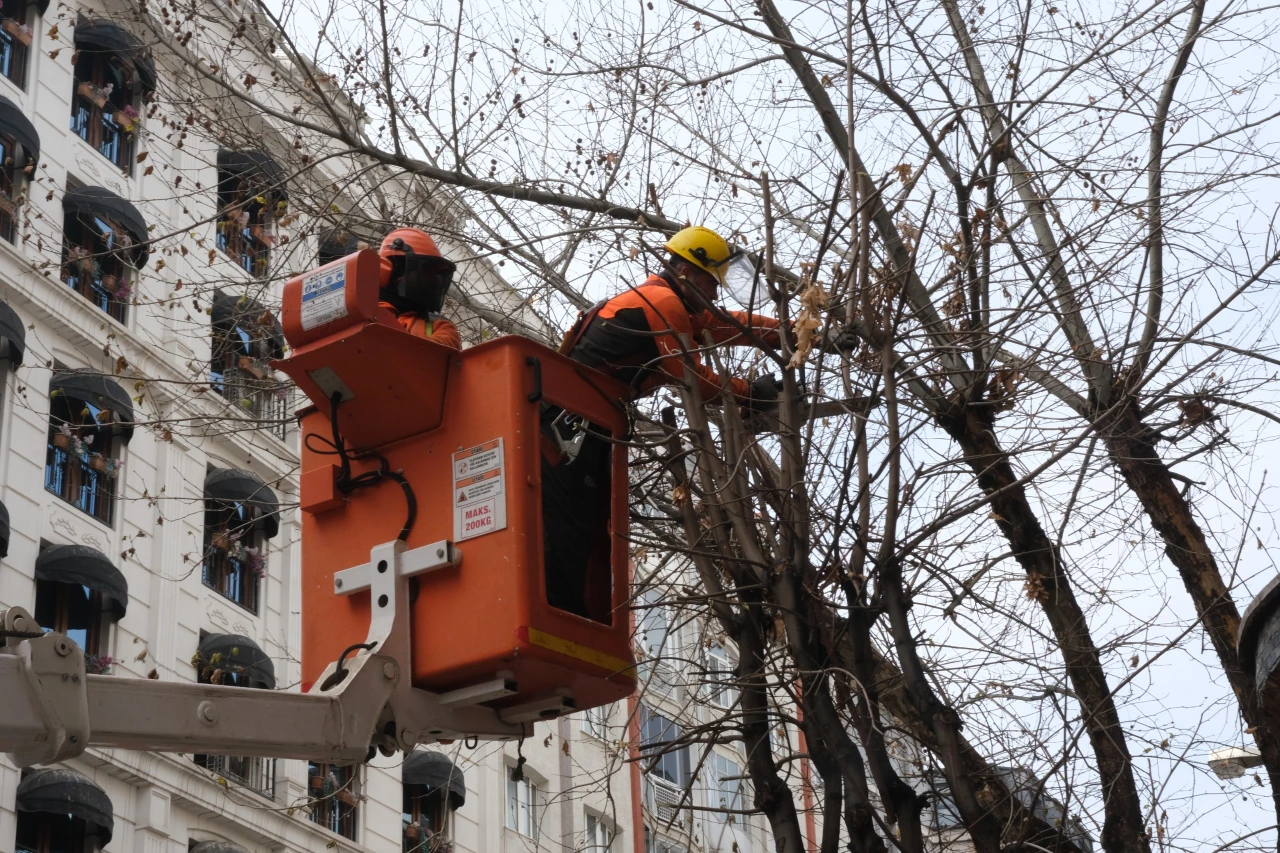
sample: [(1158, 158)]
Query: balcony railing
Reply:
[(663, 799), (112, 141), (251, 772), (233, 579), (258, 394), (102, 291), (13, 57), (661, 679), (80, 479), (421, 839)]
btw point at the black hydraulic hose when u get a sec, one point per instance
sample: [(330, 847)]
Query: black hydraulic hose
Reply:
[(347, 483), (410, 499)]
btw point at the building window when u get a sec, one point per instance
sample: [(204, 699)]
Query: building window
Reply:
[(61, 811), (335, 244), (237, 664), (334, 797), (724, 788), (655, 635), (662, 759), (93, 261), (8, 179), (595, 721), (251, 199), (40, 832), (433, 788), (17, 165), (251, 772), (426, 819), (74, 610), (240, 515), (720, 675), (522, 806), (15, 40), (246, 337), (79, 593), (82, 466), (779, 741), (655, 844), (599, 837), (235, 553), (103, 109)]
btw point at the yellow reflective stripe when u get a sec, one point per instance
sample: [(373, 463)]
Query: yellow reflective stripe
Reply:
[(575, 650)]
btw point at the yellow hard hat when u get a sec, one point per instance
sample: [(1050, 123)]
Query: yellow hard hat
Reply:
[(703, 248)]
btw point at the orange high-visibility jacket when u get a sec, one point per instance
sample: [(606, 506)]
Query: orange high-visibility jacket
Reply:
[(626, 339), (439, 330)]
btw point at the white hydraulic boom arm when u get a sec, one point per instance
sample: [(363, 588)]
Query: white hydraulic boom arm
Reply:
[(50, 709)]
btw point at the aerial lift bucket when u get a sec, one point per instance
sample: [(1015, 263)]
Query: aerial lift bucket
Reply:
[(471, 434)]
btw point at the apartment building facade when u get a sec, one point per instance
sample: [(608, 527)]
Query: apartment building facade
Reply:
[(148, 462)]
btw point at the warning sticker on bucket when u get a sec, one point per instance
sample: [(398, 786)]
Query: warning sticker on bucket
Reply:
[(479, 493), (324, 297)]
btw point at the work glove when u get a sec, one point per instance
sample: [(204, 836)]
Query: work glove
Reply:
[(763, 394)]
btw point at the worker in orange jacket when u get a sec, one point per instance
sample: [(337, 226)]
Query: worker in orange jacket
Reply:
[(415, 278), (634, 337)]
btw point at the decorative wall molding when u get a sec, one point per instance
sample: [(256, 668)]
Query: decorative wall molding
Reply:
[(78, 531), (218, 617), (87, 166), (61, 522)]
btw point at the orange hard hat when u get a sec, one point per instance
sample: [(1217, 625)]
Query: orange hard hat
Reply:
[(413, 275), (418, 241)]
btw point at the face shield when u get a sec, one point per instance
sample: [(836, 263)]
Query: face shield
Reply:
[(742, 281), (418, 283)]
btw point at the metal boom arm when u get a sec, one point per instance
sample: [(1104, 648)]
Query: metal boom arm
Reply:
[(50, 709)]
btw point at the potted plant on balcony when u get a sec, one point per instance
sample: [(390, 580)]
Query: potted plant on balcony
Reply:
[(79, 261), (251, 366), (127, 118), (20, 32), (116, 286), (222, 540), (122, 291), (97, 94), (104, 465), (99, 664), (62, 438), (74, 445)]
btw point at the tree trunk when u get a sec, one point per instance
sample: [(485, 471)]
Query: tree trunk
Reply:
[(1047, 582), (1131, 446), (1020, 826)]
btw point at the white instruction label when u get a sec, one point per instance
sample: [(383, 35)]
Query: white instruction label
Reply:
[(324, 297), (479, 491)]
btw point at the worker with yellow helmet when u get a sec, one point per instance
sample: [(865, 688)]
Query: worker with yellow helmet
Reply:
[(633, 336)]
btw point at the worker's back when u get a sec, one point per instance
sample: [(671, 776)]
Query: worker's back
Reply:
[(620, 338)]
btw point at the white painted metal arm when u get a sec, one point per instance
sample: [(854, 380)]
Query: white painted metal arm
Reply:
[(51, 710)]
